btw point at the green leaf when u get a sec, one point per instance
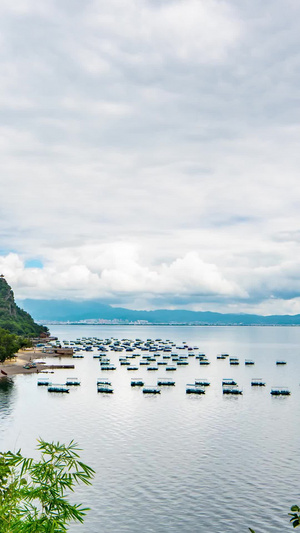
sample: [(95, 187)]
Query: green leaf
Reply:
[(33, 493)]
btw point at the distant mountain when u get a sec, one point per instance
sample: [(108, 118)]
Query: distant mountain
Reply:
[(74, 311), (12, 318)]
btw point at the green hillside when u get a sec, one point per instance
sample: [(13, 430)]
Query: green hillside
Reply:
[(14, 319)]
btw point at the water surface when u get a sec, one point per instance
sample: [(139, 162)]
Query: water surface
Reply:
[(174, 463)]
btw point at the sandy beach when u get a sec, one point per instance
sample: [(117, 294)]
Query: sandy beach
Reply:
[(14, 366)]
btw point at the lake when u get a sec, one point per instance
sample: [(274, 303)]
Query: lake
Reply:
[(174, 462)]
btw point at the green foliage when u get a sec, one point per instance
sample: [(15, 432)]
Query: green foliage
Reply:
[(14, 319), (33, 493), (295, 514), (9, 345)]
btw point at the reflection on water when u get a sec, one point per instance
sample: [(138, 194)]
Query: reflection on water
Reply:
[(172, 463), (6, 396)]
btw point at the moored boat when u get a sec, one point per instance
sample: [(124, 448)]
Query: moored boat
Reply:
[(43, 382), (137, 382), (280, 391), (55, 387), (202, 382), (151, 390), (228, 381), (194, 389), (258, 382), (165, 382), (232, 390), (72, 381), (105, 387)]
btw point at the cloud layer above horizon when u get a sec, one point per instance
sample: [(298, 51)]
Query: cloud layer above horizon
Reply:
[(149, 152)]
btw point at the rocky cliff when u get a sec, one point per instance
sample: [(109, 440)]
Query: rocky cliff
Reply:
[(12, 318)]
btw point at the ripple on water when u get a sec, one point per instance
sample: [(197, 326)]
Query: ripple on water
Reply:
[(172, 462)]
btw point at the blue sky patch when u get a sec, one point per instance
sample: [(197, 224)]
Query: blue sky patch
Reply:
[(33, 263)]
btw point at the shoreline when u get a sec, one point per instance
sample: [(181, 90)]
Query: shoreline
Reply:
[(15, 366)]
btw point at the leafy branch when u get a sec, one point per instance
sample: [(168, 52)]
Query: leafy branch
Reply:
[(33, 494)]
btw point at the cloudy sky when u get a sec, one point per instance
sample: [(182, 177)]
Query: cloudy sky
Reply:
[(150, 152)]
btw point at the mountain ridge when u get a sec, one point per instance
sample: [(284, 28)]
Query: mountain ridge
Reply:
[(74, 311)]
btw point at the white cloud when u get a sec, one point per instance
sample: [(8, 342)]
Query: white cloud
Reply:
[(116, 271), (149, 151), (189, 30)]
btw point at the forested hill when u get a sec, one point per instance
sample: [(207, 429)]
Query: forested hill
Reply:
[(12, 318)]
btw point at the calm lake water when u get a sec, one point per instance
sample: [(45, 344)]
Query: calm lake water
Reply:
[(172, 462)]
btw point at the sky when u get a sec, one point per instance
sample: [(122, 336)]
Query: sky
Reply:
[(150, 152)]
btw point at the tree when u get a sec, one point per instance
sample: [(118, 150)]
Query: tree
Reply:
[(33, 495), (9, 345)]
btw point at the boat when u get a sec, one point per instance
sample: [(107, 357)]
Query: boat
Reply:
[(249, 362), (101, 381), (229, 381), (232, 390), (165, 382), (132, 368), (137, 383), (152, 368), (280, 391), (171, 368), (44, 382), (105, 387), (72, 381), (108, 367), (29, 365), (57, 388), (151, 390), (257, 382), (194, 389), (202, 382)]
